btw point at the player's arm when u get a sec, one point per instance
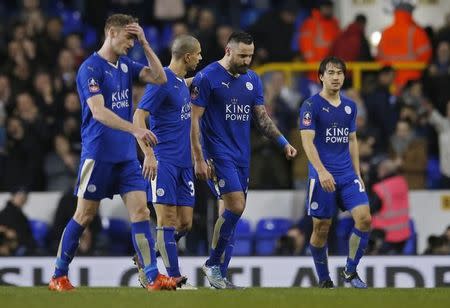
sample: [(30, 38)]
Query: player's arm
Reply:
[(105, 116), (202, 170), (325, 178), (266, 126), (149, 166), (354, 153), (154, 72)]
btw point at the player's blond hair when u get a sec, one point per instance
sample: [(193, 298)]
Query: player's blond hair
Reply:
[(118, 20)]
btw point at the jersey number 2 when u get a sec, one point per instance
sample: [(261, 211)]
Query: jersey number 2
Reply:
[(361, 187)]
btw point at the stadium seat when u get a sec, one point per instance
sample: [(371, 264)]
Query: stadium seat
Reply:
[(249, 17), (40, 230), (268, 231), (410, 247), (243, 238), (118, 231), (433, 174)]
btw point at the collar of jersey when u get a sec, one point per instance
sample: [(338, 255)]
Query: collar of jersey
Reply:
[(112, 64)]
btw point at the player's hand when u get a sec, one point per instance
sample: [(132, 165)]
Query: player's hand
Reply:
[(289, 151), (327, 181), (202, 170), (146, 136), (149, 167), (136, 30)]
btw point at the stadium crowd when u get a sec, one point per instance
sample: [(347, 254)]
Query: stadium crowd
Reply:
[(44, 41)]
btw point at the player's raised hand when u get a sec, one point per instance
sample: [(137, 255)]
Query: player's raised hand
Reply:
[(289, 151), (327, 181), (136, 30), (145, 136), (202, 170), (149, 167)]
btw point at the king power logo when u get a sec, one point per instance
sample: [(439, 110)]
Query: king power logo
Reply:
[(236, 112), (336, 134), (120, 99)]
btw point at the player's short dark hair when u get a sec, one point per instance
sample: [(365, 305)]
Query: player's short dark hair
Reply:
[(119, 20), (333, 60), (386, 69), (240, 37), (361, 18), (182, 45)]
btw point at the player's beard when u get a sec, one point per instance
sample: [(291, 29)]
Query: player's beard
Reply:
[(239, 69)]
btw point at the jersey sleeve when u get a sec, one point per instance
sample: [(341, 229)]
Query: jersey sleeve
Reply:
[(90, 80), (201, 90), (353, 121), (153, 96), (135, 68), (259, 99), (307, 116)]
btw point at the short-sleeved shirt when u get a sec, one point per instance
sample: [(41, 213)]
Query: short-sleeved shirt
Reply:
[(170, 119), (114, 81), (228, 103), (332, 126)]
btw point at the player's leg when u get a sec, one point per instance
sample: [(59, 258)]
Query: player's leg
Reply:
[(70, 238), (321, 206), (318, 247), (185, 202), (243, 174), (355, 200), (184, 221), (132, 189), (90, 188)]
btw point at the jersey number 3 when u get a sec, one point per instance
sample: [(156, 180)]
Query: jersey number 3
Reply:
[(361, 187)]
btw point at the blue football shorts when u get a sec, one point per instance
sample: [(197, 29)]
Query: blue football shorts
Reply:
[(173, 185), (229, 177), (349, 194), (98, 179)]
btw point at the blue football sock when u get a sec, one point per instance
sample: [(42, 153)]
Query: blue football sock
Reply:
[(320, 257), (167, 247), (145, 248), (70, 239), (226, 257), (223, 230), (357, 244)]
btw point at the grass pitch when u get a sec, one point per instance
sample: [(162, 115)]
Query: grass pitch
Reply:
[(84, 297)]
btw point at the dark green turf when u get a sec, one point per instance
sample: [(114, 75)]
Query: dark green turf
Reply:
[(12, 297)]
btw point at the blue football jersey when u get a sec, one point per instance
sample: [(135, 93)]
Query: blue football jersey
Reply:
[(332, 126), (170, 119), (114, 82), (228, 103)]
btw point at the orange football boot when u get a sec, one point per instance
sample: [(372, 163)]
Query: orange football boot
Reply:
[(60, 284), (162, 282)]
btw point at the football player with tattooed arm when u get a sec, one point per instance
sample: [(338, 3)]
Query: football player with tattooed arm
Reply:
[(226, 96)]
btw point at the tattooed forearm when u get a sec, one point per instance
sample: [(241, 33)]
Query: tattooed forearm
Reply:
[(264, 123)]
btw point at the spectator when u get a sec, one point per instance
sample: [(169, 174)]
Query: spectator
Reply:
[(51, 42), (437, 245), (444, 33), (352, 45), (66, 71), (390, 207), (273, 33), (60, 166), (442, 126), (410, 154), (383, 108), (8, 241), (21, 166), (74, 45), (317, 34), (437, 77), (12, 217), (206, 35), (397, 44)]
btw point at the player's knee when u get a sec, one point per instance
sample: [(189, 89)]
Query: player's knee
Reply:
[(321, 229), (140, 214), (184, 225), (84, 218), (365, 221)]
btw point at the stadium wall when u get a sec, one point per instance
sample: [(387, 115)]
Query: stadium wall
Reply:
[(429, 209), (379, 272)]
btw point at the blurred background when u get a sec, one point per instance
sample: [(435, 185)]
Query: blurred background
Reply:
[(398, 56)]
